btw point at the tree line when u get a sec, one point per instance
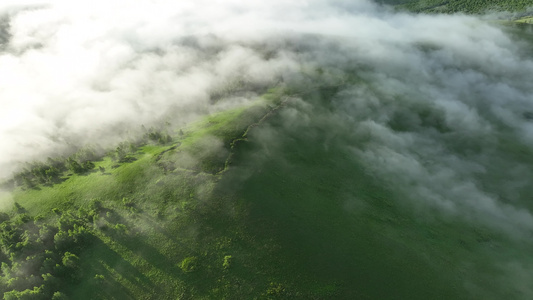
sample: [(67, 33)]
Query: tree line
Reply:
[(467, 6), (54, 170)]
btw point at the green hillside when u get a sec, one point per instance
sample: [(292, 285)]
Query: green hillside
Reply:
[(141, 228), (376, 167), (210, 213), (462, 6)]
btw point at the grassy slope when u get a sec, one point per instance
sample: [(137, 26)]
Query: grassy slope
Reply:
[(526, 20), (320, 233), (345, 229), (168, 221), (177, 213), (308, 235), (461, 6)]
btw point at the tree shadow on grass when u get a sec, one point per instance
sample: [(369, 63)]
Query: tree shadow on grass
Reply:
[(106, 288), (55, 180), (138, 245), (125, 269), (200, 279), (151, 255), (164, 231), (34, 188), (87, 172)]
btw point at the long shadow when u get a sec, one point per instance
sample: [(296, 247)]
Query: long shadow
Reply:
[(108, 288), (158, 228), (87, 172), (35, 188), (121, 266), (56, 180), (201, 279), (140, 247), (118, 218), (151, 255), (99, 258)]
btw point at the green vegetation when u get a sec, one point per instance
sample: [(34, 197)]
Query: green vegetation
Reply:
[(526, 20), (201, 215), (140, 227), (227, 261), (210, 213), (344, 229), (189, 264), (463, 6), (40, 257), (290, 196), (56, 170), (467, 6)]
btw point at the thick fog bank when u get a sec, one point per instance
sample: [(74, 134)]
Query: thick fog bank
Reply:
[(440, 95)]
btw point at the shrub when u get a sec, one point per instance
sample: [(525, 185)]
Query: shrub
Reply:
[(120, 228), (99, 279), (96, 204), (74, 166), (127, 202), (275, 289), (189, 264), (70, 260), (59, 296), (88, 165), (227, 261), (35, 294)]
